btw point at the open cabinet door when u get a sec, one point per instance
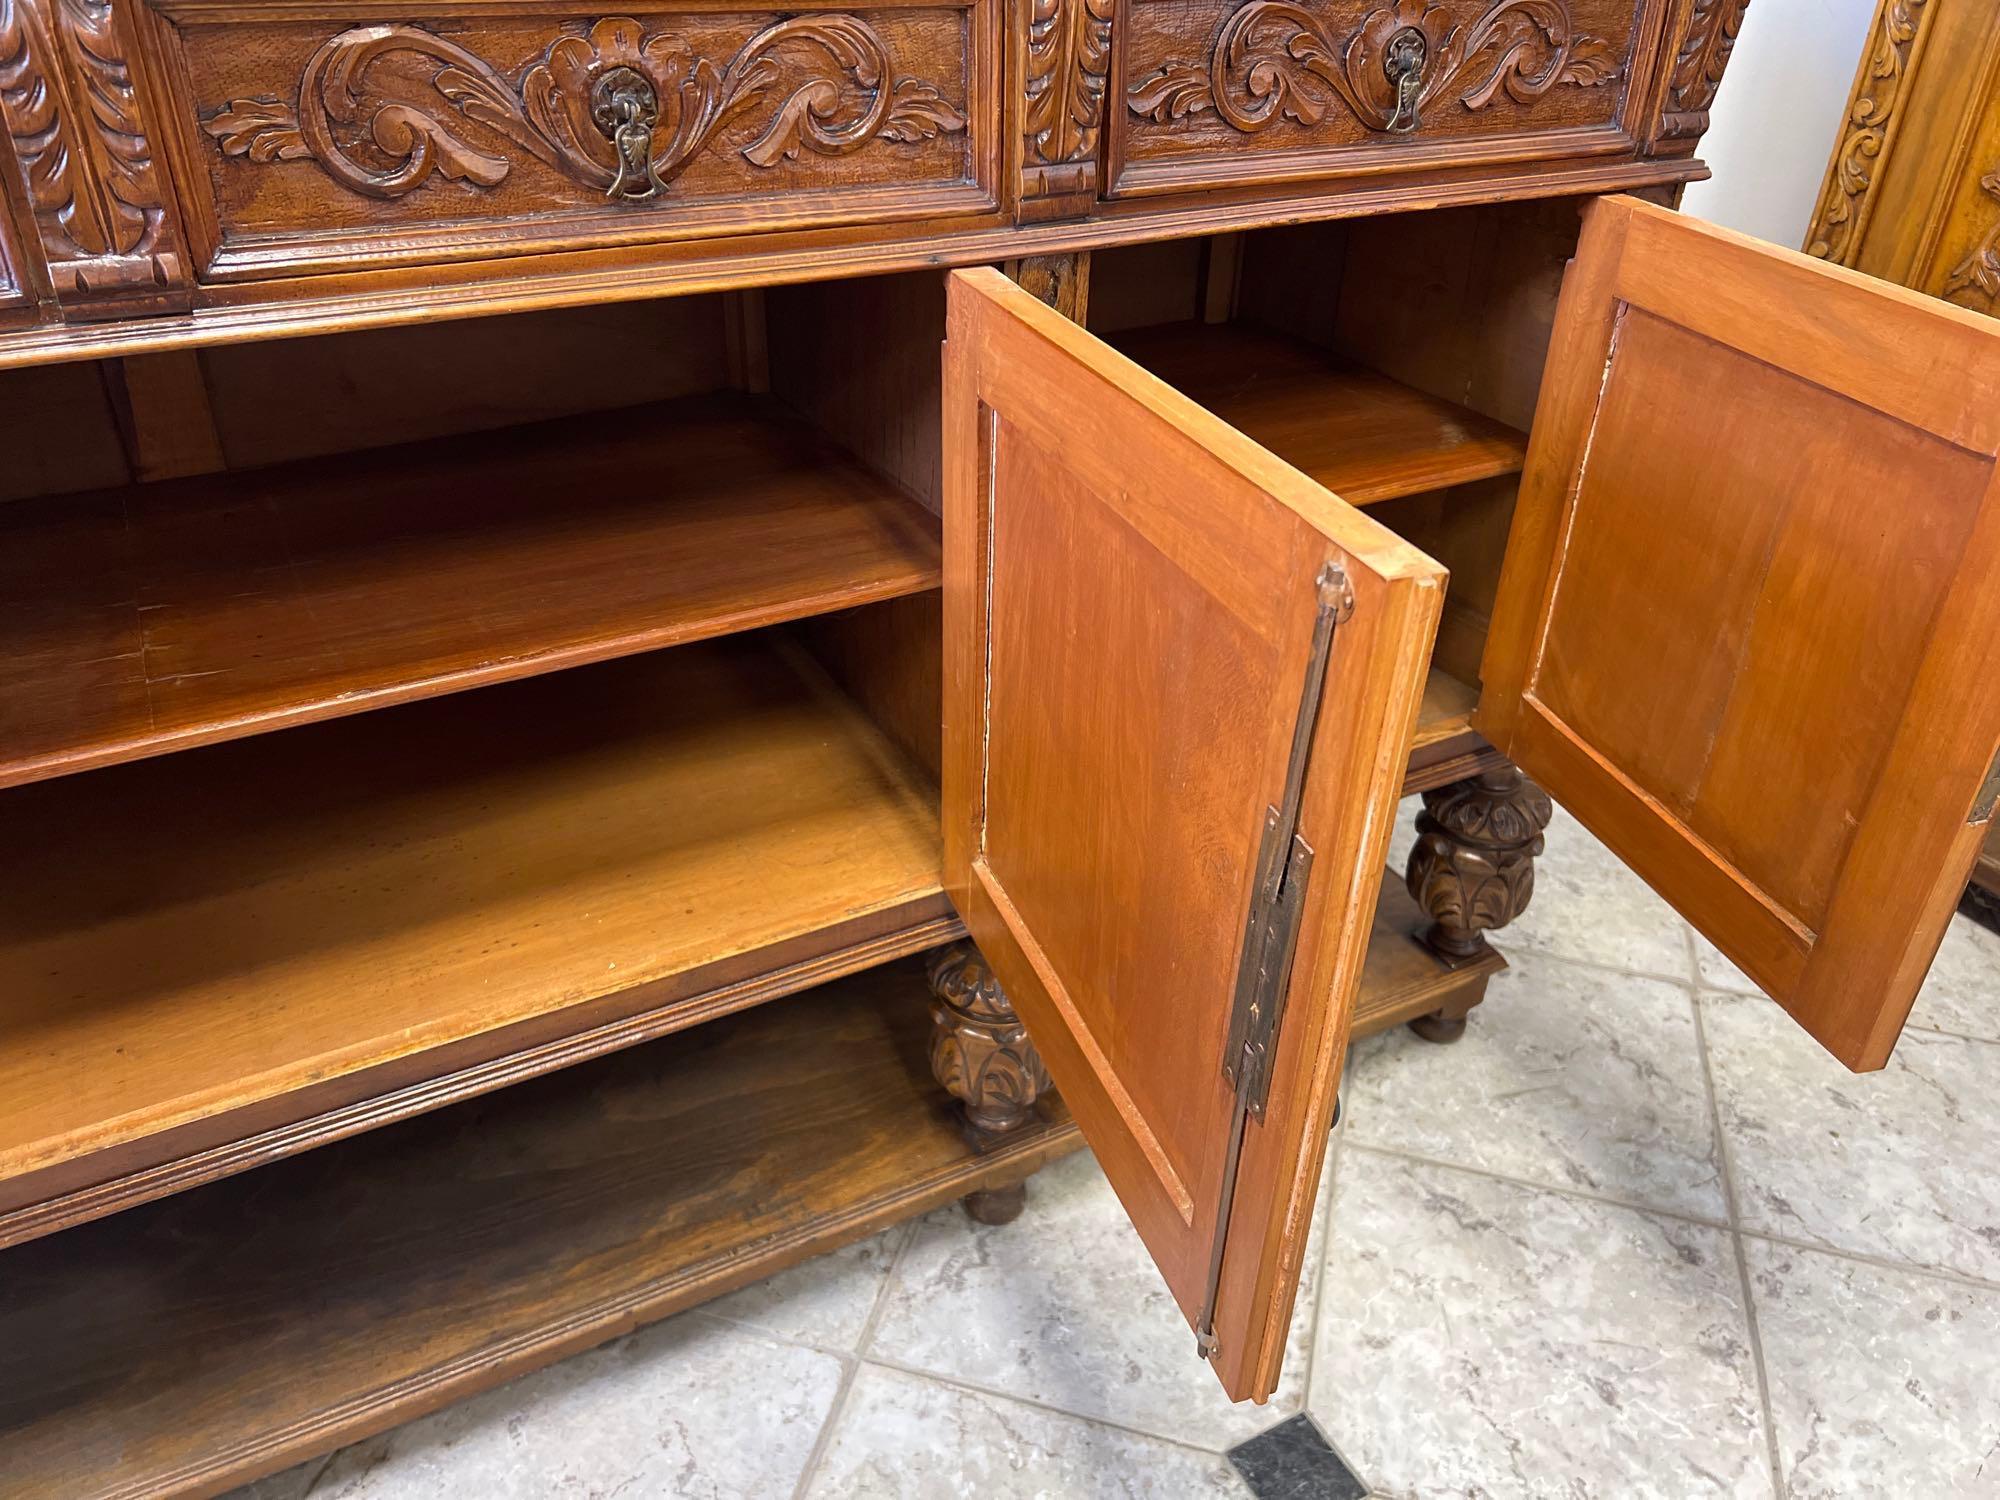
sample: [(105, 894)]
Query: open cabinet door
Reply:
[(1180, 684), (1748, 629)]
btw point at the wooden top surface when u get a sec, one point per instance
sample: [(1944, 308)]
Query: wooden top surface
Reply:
[(202, 933), (1364, 436), (150, 618)]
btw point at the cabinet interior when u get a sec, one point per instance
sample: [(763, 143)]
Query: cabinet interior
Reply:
[(644, 603), (283, 534), (1396, 360)]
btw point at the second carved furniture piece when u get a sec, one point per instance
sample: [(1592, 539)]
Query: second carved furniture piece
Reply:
[(500, 785), (1912, 193)]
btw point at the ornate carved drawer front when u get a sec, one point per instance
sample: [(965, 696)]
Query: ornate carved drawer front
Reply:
[(363, 139), (1218, 92)]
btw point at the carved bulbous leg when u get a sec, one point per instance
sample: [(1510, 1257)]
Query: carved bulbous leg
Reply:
[(1473, 871), (981, 1054)]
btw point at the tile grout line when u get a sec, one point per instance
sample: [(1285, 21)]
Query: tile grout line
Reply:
[(1876, 1262), (851, 1364), (1608, 1201), (1769, 1417), (974, 1388)]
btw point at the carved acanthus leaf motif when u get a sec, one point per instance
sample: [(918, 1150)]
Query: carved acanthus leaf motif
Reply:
[(78, 216), (1069, 56), (1843, 201), (73, 116), (980, 1051), (828, 80), (1275, 60), (1473, 865), (1977, 277), (1704, 52)]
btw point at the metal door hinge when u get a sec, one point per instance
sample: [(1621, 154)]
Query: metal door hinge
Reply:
[(1271, 934)]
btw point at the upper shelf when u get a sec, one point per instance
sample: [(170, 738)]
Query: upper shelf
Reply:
[(1362, 435), (154, 617)]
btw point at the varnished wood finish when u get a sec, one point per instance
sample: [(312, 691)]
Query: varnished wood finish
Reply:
[(1130, 598), (1789, 739), (193, 1344), (1213, 94), (276, 932), (1361, 435), (313, 144), (980, 1051), (347, 301), (1402, 981), (1912, 193), (154, 618), (102, 213), (1472, 868)]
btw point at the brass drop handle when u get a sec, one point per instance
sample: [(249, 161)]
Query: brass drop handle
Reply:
[(624, 106), (1403, 61)]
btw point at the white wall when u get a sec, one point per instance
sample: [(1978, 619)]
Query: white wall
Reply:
[(1776, 117)]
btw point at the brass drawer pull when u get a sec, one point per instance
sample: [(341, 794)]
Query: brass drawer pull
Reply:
[(1403, 63), (624, 105)]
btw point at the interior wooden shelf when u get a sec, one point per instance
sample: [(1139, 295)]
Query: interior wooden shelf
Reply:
[(1446, 709), (1362, 435), (151, 617), (367, 918), (220, 1334)]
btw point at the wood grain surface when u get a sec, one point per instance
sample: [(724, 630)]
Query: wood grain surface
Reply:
[(156, 617), (1362, 435), (1755, 644), (196, 1343), (323, 915)]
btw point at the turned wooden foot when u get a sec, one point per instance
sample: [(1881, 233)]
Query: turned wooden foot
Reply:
[(1000, 1205), (1441, 1025), (980, 1051), (1473, 872)]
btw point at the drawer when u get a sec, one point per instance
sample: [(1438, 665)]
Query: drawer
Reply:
[(354, 138), (1219, 93)]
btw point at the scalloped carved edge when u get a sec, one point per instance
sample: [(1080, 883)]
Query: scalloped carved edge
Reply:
[(827, 81), (1879, 88), (1975, 281), (1706, 43), (1274, 60), (93, 189)]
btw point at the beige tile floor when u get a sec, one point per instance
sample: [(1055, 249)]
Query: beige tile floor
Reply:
[(1633, 1236)]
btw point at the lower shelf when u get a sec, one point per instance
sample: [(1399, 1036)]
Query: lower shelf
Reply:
[(224, 1333)]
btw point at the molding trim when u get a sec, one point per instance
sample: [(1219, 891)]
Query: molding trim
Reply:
[(1888, 70)]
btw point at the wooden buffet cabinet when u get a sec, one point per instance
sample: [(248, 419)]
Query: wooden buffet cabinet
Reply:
[(494, 571)]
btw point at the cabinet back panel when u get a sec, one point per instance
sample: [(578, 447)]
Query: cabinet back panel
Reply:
[(861, 359), (298, 398)]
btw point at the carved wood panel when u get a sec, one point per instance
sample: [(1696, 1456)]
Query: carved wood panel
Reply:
[(1700, 52), (1068, 63), (84, 156), (324, 144), (1975, 280), (1912, 192), (1211, 92), (1872, 114)]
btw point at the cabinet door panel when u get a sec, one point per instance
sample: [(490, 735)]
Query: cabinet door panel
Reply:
[(1747, 626), (1135, 597)]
